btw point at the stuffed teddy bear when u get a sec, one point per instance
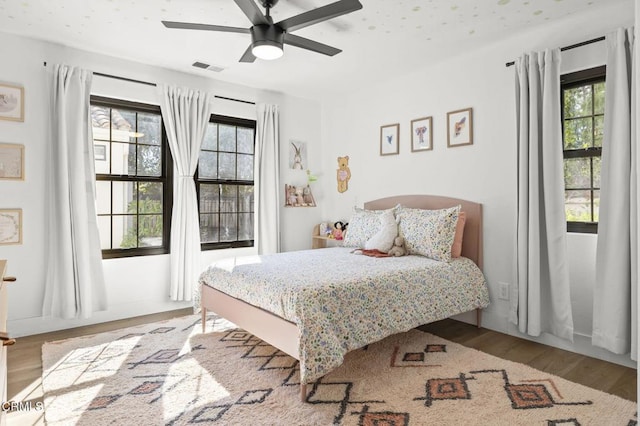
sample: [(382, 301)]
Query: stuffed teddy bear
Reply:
[(398, 248), (343, 173)]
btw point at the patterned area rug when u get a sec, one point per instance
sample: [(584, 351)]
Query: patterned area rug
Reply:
[(170, 373)]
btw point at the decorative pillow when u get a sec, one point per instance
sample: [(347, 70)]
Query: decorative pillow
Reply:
[(363, 225), (383, 239), (429, 233), (456, 248)]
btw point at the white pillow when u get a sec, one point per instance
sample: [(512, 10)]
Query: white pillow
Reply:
[(363, 225), (429, 233), (383, 239)]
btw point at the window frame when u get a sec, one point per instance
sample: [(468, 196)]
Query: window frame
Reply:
[(237, 122), (166, 178), (572, 80)]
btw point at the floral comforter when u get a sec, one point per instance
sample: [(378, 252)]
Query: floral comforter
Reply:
[(341, 301)]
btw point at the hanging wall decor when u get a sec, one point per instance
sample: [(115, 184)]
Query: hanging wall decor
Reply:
[(389, 139), (297, 155), (10, 226), (11, 102), (298, 196), (11, 161), (421, 134), (343, 173), (460, 128)]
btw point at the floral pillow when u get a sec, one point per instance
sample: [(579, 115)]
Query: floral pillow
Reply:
[(429, 233), (363, 225)]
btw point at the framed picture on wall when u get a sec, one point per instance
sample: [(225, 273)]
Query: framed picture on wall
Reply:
[(421, 134), (11, 102), (11, 161), (460, 127), (10, 226), (389, 139)]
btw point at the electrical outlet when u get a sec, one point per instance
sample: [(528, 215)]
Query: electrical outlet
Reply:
[(503, 289)]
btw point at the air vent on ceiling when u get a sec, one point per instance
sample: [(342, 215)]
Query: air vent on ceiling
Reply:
[(204, 66)]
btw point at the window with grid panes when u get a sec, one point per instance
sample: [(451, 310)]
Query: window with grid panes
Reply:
[(225, 181), (583, 95), (133, 178)]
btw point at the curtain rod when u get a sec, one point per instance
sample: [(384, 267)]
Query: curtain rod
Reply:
[(573, 46), (147, 83)]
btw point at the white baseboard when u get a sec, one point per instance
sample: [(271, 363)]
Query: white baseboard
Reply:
[(499, 322), (38, 325)]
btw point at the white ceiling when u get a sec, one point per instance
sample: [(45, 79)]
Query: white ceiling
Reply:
[(384, 38)]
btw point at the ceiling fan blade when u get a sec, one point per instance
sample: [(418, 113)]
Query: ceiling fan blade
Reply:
[(252, 11), (314, 46), (320, 14), (204, 27), (248, 56)]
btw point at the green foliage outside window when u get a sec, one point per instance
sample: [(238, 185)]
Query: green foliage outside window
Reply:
[(583, 124), (149, 221)]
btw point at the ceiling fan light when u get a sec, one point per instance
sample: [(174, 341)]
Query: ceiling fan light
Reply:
[(266, 50)]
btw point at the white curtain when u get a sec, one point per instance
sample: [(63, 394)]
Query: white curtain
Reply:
[(615, 295), (543, 303), (266, 175), (185, 114), (74, 284)]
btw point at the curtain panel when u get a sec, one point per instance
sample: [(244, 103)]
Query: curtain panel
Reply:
[(615, 306), (543, 303), (267, 185), (74, 286), (185, 114)]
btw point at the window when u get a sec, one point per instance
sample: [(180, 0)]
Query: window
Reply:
[(133, 178), (582, 129), (224, 182)]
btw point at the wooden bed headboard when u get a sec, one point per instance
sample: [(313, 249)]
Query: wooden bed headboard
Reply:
[(472, 240)]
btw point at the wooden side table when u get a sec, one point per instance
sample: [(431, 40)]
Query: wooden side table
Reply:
[(320, 241)]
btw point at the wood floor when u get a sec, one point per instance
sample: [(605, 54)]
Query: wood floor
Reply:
[(25, 359), (602, 375)]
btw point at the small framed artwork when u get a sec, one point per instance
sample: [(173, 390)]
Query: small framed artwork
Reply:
[(421, 134), (297, 155), (11, 161), (460, 127), (389, 139), (10, 226), (11, 102)]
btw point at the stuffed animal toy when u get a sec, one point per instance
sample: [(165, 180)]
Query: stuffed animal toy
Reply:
[(292, 199), (300, 197), (339, 229), (386, 235), (308, 198), (398, 248), (343, 173)]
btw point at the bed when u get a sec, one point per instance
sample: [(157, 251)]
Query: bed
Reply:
[(317, 305)]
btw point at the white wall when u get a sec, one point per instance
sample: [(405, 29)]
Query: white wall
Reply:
[(138, 285), (484, 172), (347, 125)]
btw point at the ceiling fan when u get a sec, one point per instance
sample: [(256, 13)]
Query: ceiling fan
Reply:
[(267, 38)]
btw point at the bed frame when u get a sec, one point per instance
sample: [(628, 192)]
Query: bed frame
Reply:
[(283, 334)]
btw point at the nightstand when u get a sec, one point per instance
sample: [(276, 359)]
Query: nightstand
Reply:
[(320, 241)]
